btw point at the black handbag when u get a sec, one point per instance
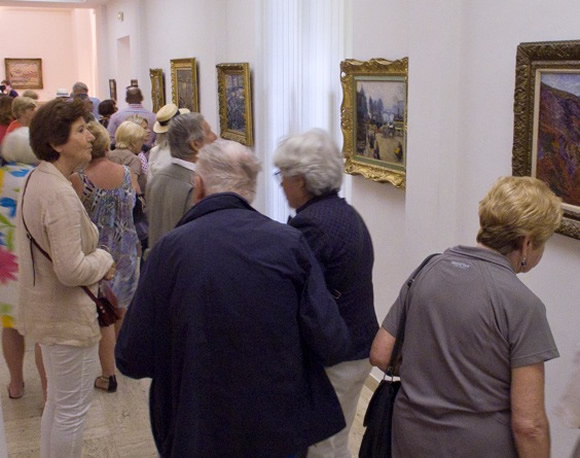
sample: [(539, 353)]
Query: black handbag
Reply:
[(106, 302), (378, 420)]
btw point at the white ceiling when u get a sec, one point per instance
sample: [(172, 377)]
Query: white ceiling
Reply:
[(56, 4)]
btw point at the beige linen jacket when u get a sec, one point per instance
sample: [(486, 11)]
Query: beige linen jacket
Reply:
[(53, 308)]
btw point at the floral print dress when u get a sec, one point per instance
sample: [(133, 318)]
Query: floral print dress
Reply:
[(12, 178), (112, 212)]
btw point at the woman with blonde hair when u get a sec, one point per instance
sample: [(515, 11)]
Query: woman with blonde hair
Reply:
[(107, 191), (129, 139), (476, 338), (23, 109)]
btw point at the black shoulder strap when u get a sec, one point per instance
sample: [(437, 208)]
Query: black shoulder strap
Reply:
[(403, 319)]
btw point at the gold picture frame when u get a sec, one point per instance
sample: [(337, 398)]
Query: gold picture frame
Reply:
[(157, 88), (184, 83), (374, 118), (546, 120), (113, 89), (235, 102), (24, 73)]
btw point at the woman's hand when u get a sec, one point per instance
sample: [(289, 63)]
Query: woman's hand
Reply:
[(110, 273)]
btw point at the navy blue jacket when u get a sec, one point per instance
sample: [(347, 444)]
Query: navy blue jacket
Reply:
[(342, 244), (233, 322)]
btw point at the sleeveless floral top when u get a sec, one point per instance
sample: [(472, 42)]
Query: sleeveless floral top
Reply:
[(112, 212)]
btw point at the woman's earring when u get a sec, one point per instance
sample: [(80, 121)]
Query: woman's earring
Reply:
[(524, 262)]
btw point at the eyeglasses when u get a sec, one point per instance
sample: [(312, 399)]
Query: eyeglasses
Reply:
[(278, 175)]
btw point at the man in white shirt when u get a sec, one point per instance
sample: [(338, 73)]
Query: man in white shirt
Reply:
[(170, 192)]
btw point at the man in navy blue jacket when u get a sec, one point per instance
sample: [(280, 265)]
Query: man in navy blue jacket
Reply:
[(233, 322)]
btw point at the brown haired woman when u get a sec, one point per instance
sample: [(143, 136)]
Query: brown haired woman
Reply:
[(54, 310)]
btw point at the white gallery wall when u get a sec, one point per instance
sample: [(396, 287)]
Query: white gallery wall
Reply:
[(460, 127)]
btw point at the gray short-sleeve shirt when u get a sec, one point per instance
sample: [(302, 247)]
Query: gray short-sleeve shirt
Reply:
[(470, 321)]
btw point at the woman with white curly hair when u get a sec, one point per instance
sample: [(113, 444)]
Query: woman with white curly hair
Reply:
[(310, 167)]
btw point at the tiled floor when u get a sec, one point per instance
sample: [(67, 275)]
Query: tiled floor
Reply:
[(117, 425)]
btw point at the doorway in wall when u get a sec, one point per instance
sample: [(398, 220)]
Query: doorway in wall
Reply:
[(123, 68)]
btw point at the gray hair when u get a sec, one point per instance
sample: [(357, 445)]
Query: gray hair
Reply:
[(80, 88), (227, 166), (184, 129), (315, 156)]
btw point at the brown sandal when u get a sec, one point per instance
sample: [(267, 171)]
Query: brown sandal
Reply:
[(108, 384)]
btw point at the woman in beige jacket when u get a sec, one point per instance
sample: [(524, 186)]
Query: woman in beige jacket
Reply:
[(54, 310)]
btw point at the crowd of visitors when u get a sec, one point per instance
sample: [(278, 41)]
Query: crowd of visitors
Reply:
[(258, 336)]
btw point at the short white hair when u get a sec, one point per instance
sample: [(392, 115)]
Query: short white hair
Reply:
[(228, 166), (316, 157), (16, 147)]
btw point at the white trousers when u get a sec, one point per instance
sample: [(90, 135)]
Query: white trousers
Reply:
[(347, 379), (70, 372)]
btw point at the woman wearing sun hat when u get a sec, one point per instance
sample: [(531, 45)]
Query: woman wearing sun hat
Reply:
[(160, 156)]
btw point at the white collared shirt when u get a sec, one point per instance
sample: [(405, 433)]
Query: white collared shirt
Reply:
[(186, 164)]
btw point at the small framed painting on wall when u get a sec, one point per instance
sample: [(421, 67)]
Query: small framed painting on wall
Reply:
[(24, 73), (374, 119), (184, 83), (157, 88), (235, 102), (113, 89)]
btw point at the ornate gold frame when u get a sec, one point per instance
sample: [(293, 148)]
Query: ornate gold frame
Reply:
[(530, 59), (373, 70), (24, 73), (113, 89), (189, 67), (157, 88), (245, 134)]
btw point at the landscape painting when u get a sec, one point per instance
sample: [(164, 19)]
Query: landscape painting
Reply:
[(380, 120), (556, 152), (547, 122)]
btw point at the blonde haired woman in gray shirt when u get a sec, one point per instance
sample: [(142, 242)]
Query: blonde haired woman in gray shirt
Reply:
[(476, 338)]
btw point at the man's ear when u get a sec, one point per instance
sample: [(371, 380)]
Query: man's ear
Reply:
[(195, 146), (198, 189)]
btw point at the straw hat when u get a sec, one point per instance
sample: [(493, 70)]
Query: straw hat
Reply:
[(165, 114), (62, 92)]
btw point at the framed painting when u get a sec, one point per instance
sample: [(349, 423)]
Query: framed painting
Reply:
[(113, 89), (184, 83), (374, 119), (547, 122), (24, 73), (235, 102), (157, 88)]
